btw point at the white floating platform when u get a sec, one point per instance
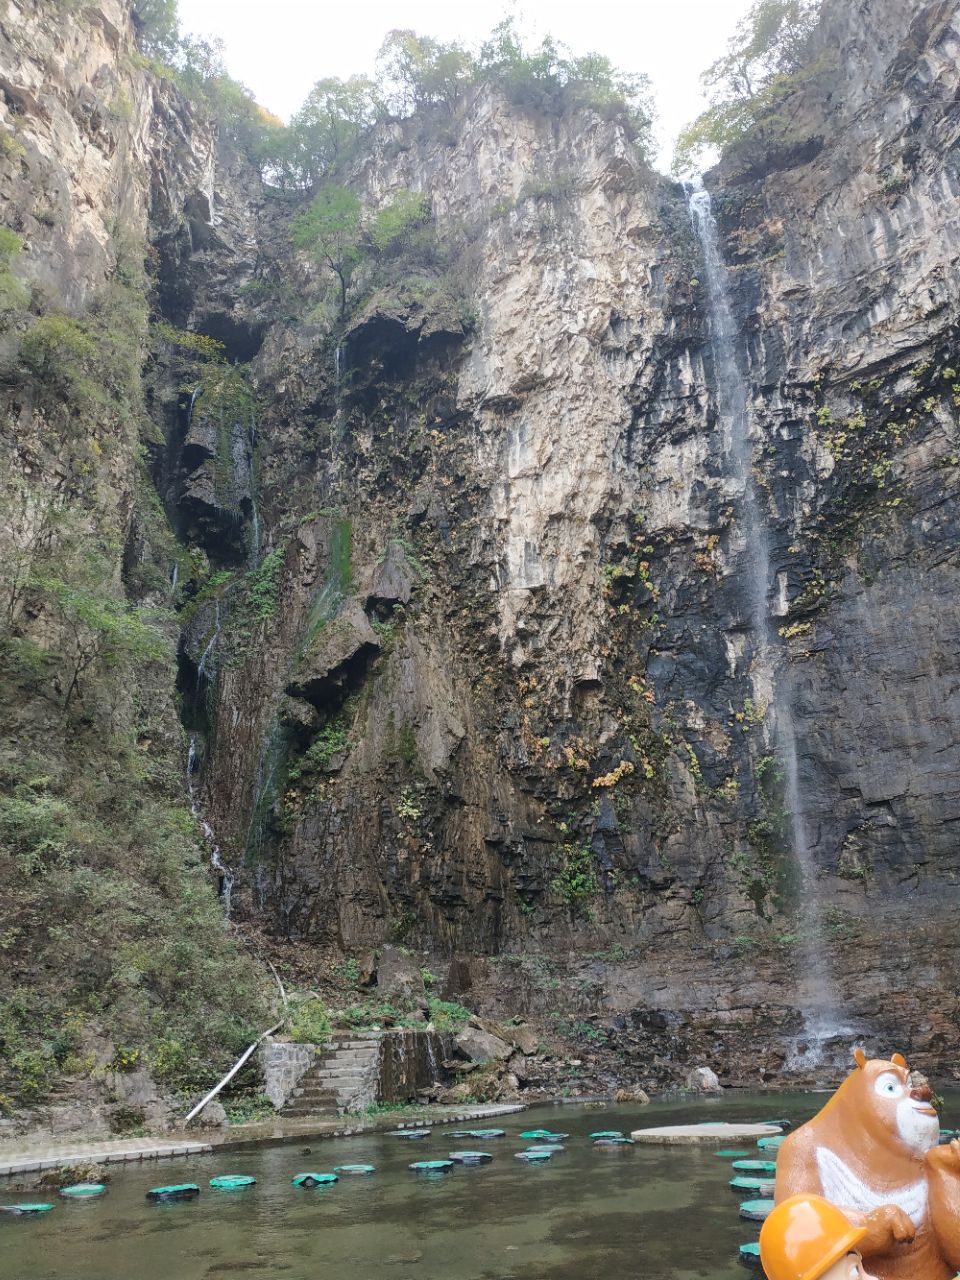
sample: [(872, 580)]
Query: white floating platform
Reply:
[(719, 1131)]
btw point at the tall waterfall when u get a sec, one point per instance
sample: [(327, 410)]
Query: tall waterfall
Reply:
[(225, 876), (816, 999)]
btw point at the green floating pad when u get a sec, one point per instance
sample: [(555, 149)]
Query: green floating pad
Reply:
[(409, 1133), (485, 1133), (314, 1179), (756, 1210), (771, 1144), (179, 1191), (948, 1135), (748, 1255), (533, 1157), (232, 1182), (83, 1190), (614, 1142), (607, 1133), (463, 1133), (354, 1168), (18, 1210), (431, 1166), (536, 1133), (470, 1157), (756, 1167), (759, 1186), (728, 1154)]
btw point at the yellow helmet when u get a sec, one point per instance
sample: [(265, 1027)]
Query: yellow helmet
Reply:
[(804, 1236)]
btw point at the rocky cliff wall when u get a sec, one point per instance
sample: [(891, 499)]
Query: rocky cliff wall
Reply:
[(469, 655), (553, 739)]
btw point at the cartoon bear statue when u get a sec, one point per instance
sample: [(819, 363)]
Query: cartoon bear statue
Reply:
[(873, 1152)]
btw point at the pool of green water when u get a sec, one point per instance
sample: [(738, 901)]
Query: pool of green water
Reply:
[(663, 1213)]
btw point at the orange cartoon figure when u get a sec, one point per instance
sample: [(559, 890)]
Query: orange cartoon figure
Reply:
[(873, 1152), (806, 1238)]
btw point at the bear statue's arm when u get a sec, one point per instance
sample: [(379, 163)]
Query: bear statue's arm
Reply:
[(943, 1185), (798, 1172)]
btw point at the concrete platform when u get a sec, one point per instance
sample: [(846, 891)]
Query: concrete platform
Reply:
[(29, 1158), (719, 1131), (111, 1151)]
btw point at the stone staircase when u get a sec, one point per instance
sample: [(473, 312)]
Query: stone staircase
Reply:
[(343, 1078)]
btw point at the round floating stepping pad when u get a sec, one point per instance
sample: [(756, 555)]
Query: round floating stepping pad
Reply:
[(179, 1191), (470, 1157), (314, 1179), (614, 1142), (18, 1210), (756, 1186), (756, 1210), (431, 1166), (551, 1150), (607, 1133), (543, 1133), (232, 1182), (948, 1135), (714, 1131), (756, 1167), (729, 1154), (748, 1255), (771, 1144), (83, 1190), (485, 1133), (354, 1169), (409, 1133), (533, 1157)]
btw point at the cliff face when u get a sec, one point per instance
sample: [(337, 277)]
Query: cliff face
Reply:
[(471, 658)]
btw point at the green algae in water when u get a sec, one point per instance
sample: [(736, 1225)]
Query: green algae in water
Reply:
[(314, 1179), (232, 1182), (83, 1190)]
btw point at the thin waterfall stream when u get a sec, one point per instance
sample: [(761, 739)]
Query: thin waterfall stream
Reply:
[(817, 999), (225, 876)]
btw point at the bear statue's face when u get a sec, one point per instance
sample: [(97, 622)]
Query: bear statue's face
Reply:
[(908, 1112), (848, 1268)]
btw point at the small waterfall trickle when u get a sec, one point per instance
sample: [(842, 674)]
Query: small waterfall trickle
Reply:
[(817, 1001), (225, 877), (210, 646), (174, 575), (254, 483), (193, 400)]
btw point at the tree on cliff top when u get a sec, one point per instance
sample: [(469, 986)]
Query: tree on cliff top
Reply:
[(329, 231), (767, 57)]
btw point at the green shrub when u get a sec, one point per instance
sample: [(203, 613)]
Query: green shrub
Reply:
[(310, 1023)]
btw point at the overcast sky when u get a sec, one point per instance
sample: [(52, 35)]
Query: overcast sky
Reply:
[(280, 48)]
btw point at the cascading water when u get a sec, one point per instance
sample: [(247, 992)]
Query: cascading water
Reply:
[(210, 646), (817, 1003), (225, 876)]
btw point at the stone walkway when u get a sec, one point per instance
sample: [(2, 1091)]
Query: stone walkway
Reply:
[(34, 1159), (27, 1157)]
